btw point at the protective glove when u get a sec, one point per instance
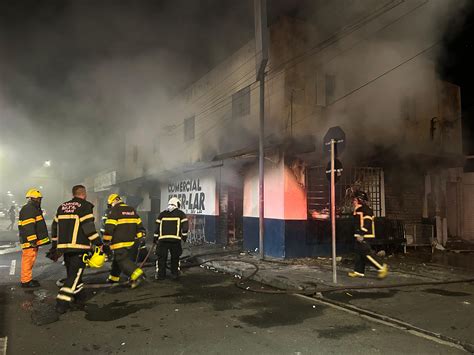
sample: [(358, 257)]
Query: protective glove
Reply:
[(107, 251), (53, 254)]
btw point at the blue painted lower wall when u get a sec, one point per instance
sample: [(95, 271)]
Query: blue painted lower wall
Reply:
[(274, 246), (297, 239)]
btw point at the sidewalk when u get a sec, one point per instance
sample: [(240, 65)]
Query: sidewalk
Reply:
[(314, 274), (445, 309)]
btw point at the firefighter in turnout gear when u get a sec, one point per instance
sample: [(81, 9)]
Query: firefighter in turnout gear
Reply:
[(110, 199), (73, 233), (364, 229), (33, 233), (171, 229), (123, 229)]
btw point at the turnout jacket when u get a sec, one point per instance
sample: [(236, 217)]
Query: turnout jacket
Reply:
[(123, 227), (32, 227), (73, 228), (103, 221), (172, 226), (364, 222)]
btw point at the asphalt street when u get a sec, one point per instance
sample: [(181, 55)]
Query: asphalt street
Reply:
[(203, 313)]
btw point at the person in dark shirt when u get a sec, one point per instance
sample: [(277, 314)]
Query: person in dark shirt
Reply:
[(364, 228)]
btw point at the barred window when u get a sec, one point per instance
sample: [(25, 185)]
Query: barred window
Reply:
[(241, 103), (189, 127)]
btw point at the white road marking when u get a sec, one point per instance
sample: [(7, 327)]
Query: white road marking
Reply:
[(3, 345), (13, 267), (11, 249)]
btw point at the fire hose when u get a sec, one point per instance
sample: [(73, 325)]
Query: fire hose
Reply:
[(242, 282)]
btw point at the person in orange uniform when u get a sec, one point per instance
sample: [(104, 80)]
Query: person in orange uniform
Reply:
[(33, 233)]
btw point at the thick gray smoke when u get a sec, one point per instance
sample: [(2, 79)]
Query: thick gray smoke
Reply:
[(77, 76)]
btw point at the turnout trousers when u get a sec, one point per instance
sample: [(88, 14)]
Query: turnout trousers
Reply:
[(73, 283), (365, 253), (124, 261), (28, 258), (175, 250)]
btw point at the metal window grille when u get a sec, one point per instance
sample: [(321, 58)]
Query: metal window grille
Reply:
[(196, 231), (370, 180)]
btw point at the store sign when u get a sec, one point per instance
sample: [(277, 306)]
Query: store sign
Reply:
[(104, 181), (197, 195)]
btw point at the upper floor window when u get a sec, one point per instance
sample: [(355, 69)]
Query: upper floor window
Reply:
[(241, 102), (189, 126), (330, 88)]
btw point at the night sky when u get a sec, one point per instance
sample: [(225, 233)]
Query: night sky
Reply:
[(456, 65)]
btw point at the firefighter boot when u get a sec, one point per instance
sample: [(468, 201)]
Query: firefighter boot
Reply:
[(383, 272), (137, 278), (113, 279), (355, 274), (30, 284)]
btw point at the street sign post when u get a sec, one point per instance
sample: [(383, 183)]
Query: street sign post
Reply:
[(334, 141)]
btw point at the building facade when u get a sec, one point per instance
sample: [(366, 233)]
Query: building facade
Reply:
[(373, 75)]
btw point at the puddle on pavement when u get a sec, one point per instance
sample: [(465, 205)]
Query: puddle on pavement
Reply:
[(280, 311), (338, 332), (117, 309), (441, 292)]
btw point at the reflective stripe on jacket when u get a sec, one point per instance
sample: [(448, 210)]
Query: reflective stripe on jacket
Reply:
[(171, 225), (32, 227), (364, 225), (73, 228), (123, 227)]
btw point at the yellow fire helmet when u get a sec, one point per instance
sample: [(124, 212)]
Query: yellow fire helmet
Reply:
[(96, 260), (33, 193), (112, 198)]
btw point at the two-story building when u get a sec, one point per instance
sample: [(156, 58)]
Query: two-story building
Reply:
[(374, 74)]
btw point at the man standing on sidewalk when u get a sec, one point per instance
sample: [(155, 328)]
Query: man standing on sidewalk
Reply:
[(171, 228), (33, 233), (364, 228)]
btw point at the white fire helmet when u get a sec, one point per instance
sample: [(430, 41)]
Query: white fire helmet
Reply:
[(174, 202)]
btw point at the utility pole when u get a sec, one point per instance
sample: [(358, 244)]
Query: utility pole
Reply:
[(261, 49), (333, 211)]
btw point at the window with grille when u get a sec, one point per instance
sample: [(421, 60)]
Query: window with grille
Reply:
[(370, 180), (241, 103), (330, 88), (189, 127)]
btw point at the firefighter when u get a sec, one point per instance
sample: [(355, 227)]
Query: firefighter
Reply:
[(123, 229), (107, 211), (73, 233), (33, 233), (171, 229), (364, 229)]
